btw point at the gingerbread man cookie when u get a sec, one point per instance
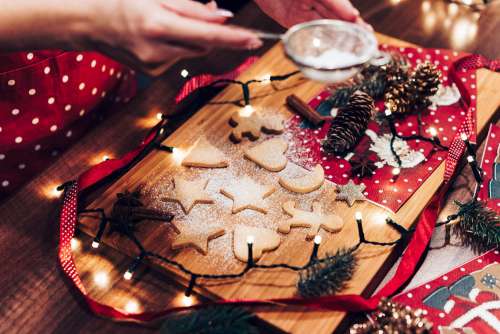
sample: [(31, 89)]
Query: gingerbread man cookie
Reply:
[(314, 220), (264, 240), (305, 184), (269, 154), (252, 125), (205, 155)]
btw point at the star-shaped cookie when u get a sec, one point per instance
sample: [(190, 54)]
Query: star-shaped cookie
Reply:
[(350, 192), (188, 193), (314, 220), (197, 238), (247, 194), (252, 125)]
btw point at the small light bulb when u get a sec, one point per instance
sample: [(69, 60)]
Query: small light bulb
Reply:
[(433, 131), (75, 244), (101, 279), (463, 136), (184, 73), (266, 77), (250, 239), (396, 171), (317, 239), (159, 116), (128, 275), (246, 111), (95, 244), (388, 112), (470, 158), (132, 306), (105, 157), (187, 300), (358, 215)]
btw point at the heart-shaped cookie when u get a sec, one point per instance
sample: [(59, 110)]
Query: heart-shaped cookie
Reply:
[(269, 154), (264, 240)]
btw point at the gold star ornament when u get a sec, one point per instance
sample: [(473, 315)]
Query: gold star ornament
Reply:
[(350, 192)]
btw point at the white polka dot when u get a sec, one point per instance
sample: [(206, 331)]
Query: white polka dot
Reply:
[(429, 168), (112, 71), (81, 86), (2, 156), (5, 183), (35, 121), (53, 128), (38, 147), (32, 91), (65, 78), (67, 107), (11, 82), (94, 91), (427, 286), (377, 181), (82, 112), (384, 201), (445, 278), (79, 57), (410, 295), (93, 63), (119, 75), (51, 100), (21, 166), (18, 140), (410, 190), (103, 94), (103, 68), (473, 97), (380, 191), (46, 70), (69, 133), (15, 111), (479, 261), (441, 315), (30, 55)]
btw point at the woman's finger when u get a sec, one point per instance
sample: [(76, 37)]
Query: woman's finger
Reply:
[(343, 9), (196, 10), (191, 31)]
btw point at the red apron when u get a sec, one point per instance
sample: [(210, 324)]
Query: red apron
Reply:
[(49, 99)]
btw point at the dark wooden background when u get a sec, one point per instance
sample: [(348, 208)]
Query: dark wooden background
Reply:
[(34, 295)]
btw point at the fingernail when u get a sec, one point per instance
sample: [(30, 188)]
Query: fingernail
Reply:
[(254, 44), (224, 13)]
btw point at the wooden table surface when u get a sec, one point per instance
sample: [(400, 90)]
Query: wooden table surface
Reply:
[(35, 297)]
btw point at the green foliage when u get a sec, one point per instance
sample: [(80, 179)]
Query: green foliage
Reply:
[(217, 319), (478, 227), (328, 275)]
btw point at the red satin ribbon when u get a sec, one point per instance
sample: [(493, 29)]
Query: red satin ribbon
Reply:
[(349, 303)]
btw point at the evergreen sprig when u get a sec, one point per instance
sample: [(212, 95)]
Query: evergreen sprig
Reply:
[(217, 319), (328, 275), (478, 227)]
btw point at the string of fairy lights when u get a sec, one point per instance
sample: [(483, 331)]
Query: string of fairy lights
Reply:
[(162, 132)]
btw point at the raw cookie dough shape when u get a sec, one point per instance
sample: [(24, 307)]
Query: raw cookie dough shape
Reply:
[(192, 237), (247, 194), (269, 154), (189, 193), (314, 220), (205, 155), (252, 125), (313, 180), (264, 240)]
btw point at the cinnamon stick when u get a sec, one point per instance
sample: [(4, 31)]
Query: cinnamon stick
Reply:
[(302, 108)]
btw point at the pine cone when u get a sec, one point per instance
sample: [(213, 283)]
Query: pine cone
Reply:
[(414, 93), (426, 82), (350, 124)]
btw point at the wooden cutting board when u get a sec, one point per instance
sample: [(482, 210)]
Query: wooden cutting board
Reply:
[(154, 176)]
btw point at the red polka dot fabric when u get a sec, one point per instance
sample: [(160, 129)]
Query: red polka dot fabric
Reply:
[(449, 121), (49, 99)]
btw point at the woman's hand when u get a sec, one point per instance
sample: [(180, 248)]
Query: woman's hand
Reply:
[(290, 12), (153, 34), (149, 35)]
